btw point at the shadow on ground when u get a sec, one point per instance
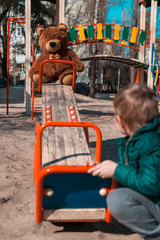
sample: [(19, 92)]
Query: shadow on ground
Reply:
[(16, 95), (109, 149), (113, 227)]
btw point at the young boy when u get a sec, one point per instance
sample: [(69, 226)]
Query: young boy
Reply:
[(136, 204)]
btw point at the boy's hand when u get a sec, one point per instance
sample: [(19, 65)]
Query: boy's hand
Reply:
[(104, 169)]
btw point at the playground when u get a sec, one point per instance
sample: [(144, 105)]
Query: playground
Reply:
[(45, 188), (17, 201)]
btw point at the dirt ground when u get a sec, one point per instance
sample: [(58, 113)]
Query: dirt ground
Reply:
[(17, 190)]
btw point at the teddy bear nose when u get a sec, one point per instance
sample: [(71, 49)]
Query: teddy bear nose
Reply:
[(52, 44)]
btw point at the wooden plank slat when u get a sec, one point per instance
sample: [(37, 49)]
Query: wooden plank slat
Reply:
[(90, 31), (125, 33), (81, 33), (73, 35), (74, 214), (99, 31), (134, 35), (142, 37), (108, 31), (116, 32)]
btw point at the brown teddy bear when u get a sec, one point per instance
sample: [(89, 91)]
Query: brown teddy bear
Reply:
[(54, 41)]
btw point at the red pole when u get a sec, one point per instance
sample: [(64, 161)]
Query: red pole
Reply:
[(8, 34), (8, 38), (33, 56)]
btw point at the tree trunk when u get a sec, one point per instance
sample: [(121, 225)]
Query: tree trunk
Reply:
[(135, 22), (3, 14), (132, 74), (92, 79), (4, 59)]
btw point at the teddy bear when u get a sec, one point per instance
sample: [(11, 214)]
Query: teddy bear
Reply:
[(53, 41)]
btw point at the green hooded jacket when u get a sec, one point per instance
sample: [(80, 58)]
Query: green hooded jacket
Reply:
[(139, 161)]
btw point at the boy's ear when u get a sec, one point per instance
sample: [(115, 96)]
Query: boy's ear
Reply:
[(120, 122), (118, 119), (123, 126)]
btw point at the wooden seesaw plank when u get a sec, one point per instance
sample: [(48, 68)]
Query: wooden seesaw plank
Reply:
[(62, 145), (76, 196)]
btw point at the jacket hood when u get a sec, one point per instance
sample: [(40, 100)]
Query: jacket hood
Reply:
[(152, 126), (148, 135)]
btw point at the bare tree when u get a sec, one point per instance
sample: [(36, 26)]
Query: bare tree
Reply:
[(135, 22), (98, 11), (3, 14), (93, 11), (41, 14)]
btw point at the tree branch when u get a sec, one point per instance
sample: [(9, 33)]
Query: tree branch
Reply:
[(3, 14)]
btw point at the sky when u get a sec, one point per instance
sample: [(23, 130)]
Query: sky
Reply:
[(115, 13)]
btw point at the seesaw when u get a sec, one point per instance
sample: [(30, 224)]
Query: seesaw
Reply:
[(65, 192)]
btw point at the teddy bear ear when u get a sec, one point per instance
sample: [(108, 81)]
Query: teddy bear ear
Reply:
[(40, 30), (62, 27)]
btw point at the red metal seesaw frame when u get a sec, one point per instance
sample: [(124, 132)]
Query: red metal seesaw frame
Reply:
[(40, 80), (56, 61), (40, 173)]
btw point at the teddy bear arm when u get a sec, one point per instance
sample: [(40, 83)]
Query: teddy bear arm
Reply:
[(35, 67), (33, 70), (77, 62)]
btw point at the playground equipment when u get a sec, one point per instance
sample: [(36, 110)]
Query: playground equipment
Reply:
[(33, 110), (127, 36), (121, 35), (131, 37), (138, 39), (64, 189), (109, 33), (40, 82), (15, 20), (155, 68)]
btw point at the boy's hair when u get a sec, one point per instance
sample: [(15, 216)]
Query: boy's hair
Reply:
[(136, 105)]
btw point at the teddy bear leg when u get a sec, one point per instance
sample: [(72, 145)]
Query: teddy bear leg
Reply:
[(44, 79), (66, 77)]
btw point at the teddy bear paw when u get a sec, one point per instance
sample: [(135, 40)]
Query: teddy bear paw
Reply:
[(36, 78)]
